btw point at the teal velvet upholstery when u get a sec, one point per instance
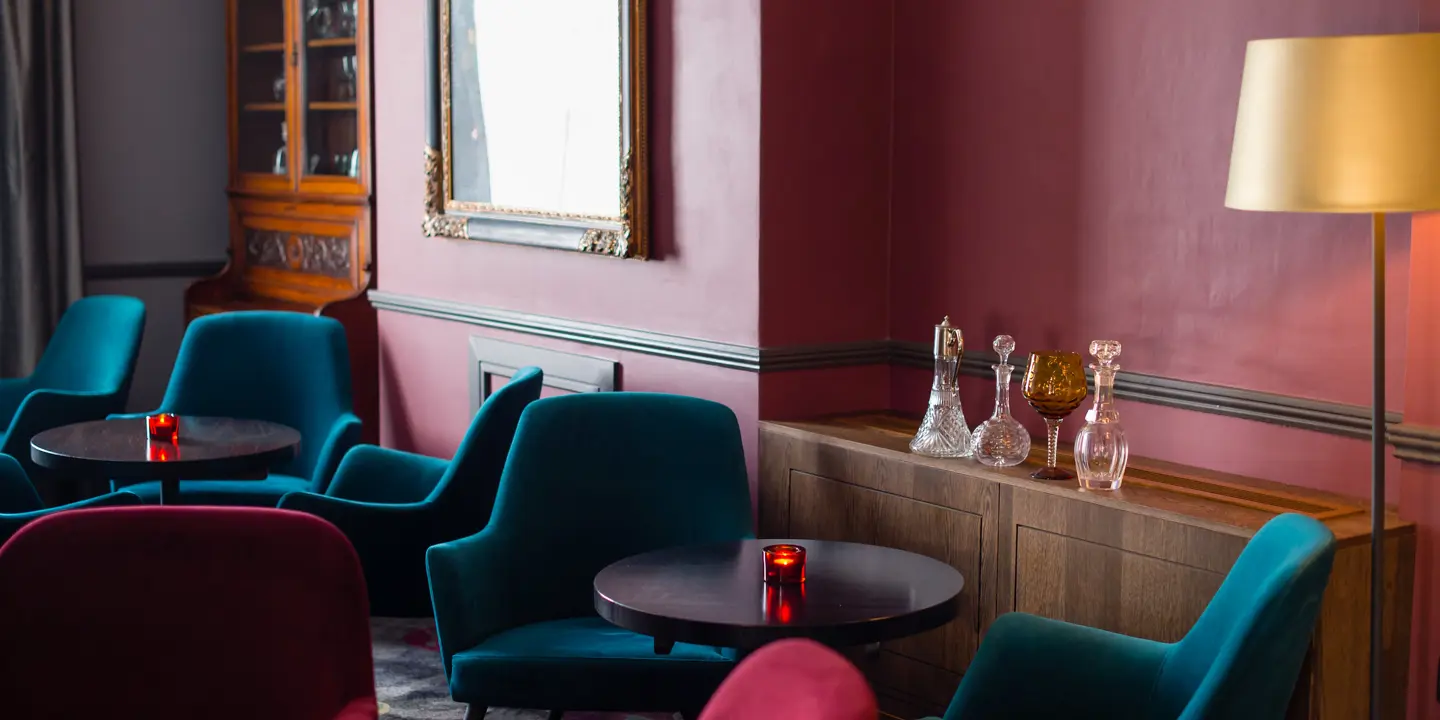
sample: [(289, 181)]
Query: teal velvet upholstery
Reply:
[(284, 367), (1240, 660), (84, 374), (591, 479), (20, 504), (394, 505)]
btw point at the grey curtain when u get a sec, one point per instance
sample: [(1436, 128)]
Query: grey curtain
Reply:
[(39, 188)]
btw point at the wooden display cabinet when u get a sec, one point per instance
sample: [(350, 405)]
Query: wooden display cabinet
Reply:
[(301, 235)]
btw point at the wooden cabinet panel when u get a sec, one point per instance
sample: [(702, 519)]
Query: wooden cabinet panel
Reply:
[(828, 510), (1104, 587)]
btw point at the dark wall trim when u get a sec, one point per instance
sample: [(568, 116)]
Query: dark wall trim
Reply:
[(1412, 442), (147, 271), (708, 352)]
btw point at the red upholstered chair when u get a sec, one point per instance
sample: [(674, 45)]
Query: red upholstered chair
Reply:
[(793, 680), (183, 612)]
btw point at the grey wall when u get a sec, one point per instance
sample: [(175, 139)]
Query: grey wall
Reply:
[(152, 112)]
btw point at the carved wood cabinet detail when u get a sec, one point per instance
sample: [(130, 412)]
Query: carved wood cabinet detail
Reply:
[(1144, 561), (300, 175)]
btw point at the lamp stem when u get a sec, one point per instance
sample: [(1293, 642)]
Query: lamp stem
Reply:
[(1377, 471)]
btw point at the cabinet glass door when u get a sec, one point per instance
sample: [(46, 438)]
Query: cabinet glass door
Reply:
[(333, 81), (262, 82)]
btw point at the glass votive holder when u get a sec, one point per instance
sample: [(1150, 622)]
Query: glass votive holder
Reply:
[(163, 426), (784, 564), (162, 452)]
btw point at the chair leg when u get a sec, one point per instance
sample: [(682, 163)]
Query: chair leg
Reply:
[(472, 714)]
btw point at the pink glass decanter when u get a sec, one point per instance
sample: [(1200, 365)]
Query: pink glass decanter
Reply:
[(1101, 450)]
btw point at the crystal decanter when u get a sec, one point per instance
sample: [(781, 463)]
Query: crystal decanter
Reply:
[(1100, 449), (944, 433), (1002, 441)]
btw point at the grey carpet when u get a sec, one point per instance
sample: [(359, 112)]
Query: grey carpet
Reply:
[(410, 679)]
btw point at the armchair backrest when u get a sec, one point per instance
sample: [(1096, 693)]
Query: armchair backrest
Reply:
[(94, 347), (240, 612), (593, 478), (284, 367), (1242, 657), (465, 495), (794, 679)]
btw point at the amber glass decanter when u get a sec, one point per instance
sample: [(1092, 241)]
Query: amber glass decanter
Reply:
[(944, 433), (1002, 441), (1101, 450)]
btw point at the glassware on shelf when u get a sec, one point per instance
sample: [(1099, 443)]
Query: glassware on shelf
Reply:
[(281, 164), (320, 18), (944, 433), (1101, 450), (353, 169), (279, 86), (1002, 441), (340, 163), (1054, 385), (344, 81), (348, 19)]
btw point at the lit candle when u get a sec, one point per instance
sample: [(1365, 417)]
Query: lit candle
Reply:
[(163, 426), (784, 564), (162, 452)]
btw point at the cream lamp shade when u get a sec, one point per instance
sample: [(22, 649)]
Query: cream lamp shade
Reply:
[(1338, 125)]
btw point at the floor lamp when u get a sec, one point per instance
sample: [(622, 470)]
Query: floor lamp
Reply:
[(1344, 125)]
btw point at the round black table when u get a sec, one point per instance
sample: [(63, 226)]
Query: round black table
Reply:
[(207, 448), (715, 595)]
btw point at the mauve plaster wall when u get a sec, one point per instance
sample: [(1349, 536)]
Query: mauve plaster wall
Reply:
[(1059, 175), (705, 77)]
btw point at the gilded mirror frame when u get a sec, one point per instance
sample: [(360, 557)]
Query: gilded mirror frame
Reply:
[(625, 236)]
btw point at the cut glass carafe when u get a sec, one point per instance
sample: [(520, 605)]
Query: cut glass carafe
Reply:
[(1002, 441), (1101, 450), (944, 433)]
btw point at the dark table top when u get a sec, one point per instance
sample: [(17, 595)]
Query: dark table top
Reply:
[(854, 594), (208, 447)]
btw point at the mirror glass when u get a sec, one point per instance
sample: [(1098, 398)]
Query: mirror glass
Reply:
[(536, 106)]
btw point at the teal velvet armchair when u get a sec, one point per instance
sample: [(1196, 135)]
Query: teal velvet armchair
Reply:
[(592, 478), (84, 374), (20, 504), (394, 505), (1240, 660), (284, 367)]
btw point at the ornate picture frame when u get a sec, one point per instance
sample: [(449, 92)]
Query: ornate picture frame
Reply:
[(623, 236)]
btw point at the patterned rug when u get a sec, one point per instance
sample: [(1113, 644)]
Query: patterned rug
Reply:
[(410, 679)]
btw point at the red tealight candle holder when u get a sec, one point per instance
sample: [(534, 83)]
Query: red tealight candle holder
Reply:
[(784, 564), (163, 426), (162, 452)]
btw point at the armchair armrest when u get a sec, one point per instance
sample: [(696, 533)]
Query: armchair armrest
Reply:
[(17, 494), (11, 523), (380, 475), (464, 577), (344, 434), (1034, 667), (42, 410), (12, 392)]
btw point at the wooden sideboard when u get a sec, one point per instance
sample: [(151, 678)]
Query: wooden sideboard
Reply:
[(1144, 560)]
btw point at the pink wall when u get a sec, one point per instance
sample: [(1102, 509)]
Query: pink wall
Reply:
[(1059, 175), (824, 171), (705, 114)]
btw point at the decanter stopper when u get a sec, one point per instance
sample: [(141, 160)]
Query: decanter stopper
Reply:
[(1002, 441), (1101, 450), (944, 433)]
